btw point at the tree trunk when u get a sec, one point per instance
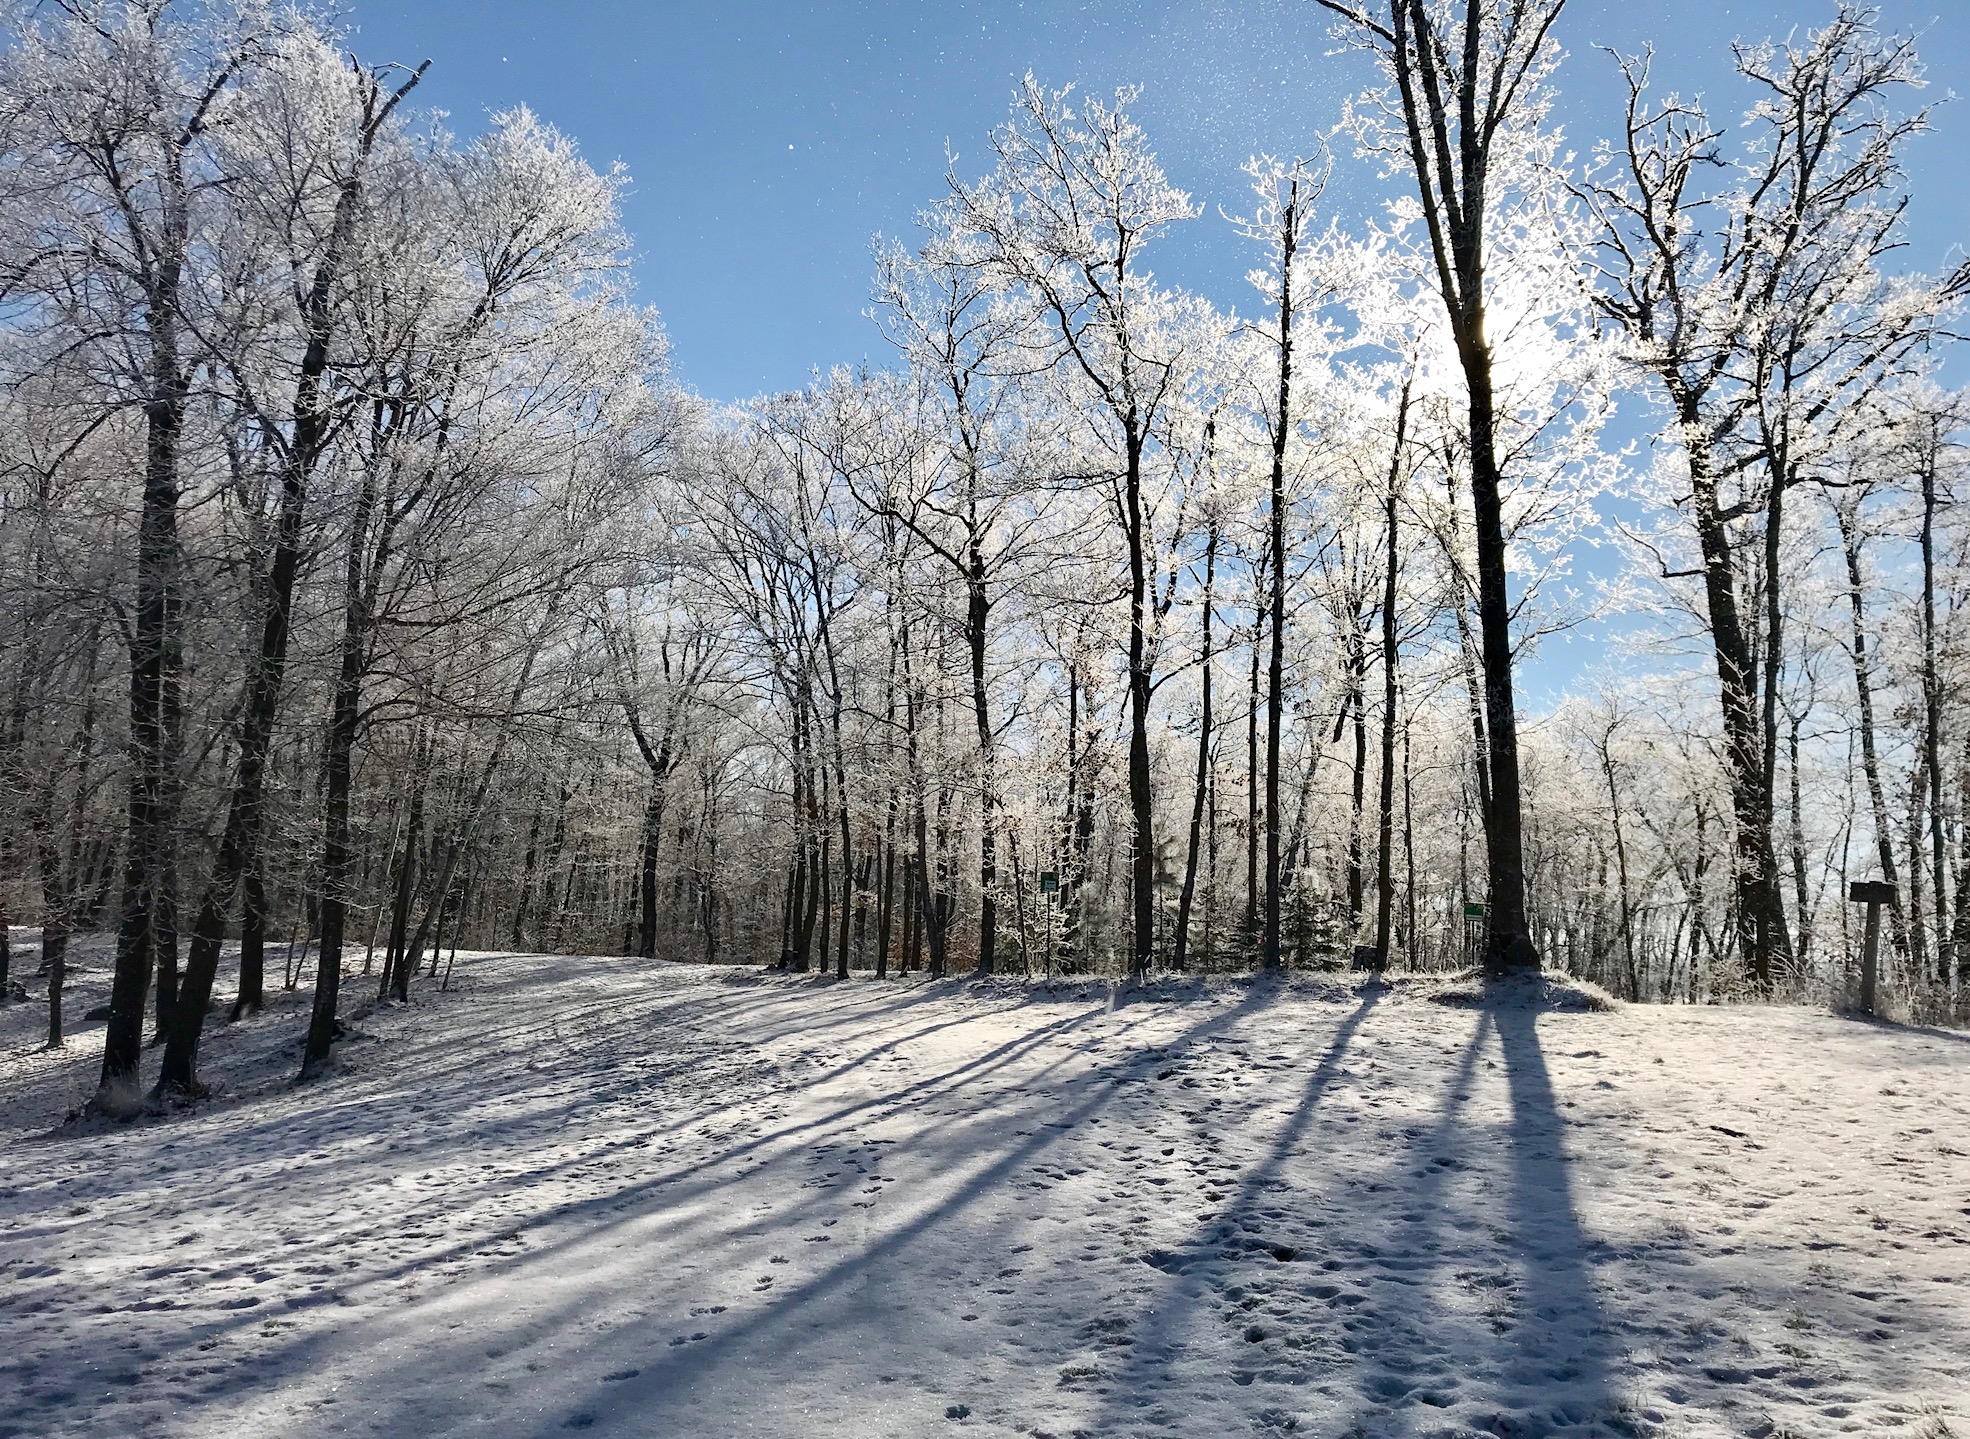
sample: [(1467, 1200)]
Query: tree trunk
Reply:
[(1884, 844), (1142, 791), (1254, 783), (978, 611), (1357, 703), (1621, 870), (1801, 898), (1410, 943), (910, 954), (862, 886), (847, 876), (1385, 837), (824, 894), (1275, 698), (1932, 718), (789, 900), (151, 640), (166, 943), (709, 883), (646, 880), (886, 903), (54, 956), (251, 998), (1181, 949), (1764, 941), (338, 774), (1071, 897), (1509, 943)]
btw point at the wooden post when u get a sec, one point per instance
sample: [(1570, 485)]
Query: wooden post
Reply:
[(1049, 887), (1873, 893)]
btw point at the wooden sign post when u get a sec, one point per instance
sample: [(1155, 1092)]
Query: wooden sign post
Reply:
[(1049, 887), (1873, 893)]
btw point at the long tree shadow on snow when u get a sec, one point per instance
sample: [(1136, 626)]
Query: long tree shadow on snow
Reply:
[(1562, 1334), (681, 1180), (1547, 1371), (1240, 1233), (1511, 1333), (678, 1185), (681, 1369), (1381, 1265), (1545, 1235), (658, 1378)]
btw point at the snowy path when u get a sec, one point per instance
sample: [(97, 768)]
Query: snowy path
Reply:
[(582, 1195)]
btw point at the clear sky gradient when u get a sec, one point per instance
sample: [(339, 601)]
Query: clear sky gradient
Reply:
[(768, 143)]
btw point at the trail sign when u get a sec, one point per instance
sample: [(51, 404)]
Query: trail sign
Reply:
[(1049, 882), (1873, 893), (1473, 911)]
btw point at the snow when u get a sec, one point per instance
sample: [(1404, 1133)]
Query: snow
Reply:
[(609, 1196)]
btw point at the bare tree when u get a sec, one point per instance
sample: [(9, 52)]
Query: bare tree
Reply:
[(1757, 306), (1063, 219), (1469, 80)]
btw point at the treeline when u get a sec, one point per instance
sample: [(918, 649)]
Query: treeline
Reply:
[(369, 588)]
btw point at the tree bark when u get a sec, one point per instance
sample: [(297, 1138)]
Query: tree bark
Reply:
[(1254, 783), (1275, 699), (338, 775), (1142, 788), (1932, 717), (157, 557), (1884, 842), (978, 611), (1385, 837), (1357, 705), (1181, 948)]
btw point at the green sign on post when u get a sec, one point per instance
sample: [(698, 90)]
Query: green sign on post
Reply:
[(1473, 911), (1049, 882)]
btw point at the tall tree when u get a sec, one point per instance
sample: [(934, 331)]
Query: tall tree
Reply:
[(1063, 220), (1469, 82), (1757, 305), (1286, 193), (113, 107), (300, 438)]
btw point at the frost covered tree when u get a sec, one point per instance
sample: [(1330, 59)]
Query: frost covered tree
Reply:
[(369, 590), (1751, 283), (1469, 92), (1063, 221), (116, 146)]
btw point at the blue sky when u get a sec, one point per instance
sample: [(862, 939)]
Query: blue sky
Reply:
[(768, 143)]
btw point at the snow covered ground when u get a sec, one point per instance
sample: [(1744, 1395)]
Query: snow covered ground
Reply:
[(600, 1195)]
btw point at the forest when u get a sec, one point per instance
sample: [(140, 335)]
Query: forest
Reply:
[(371, 591)]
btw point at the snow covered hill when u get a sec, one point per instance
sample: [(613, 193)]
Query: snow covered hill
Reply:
[(608, 1196)]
